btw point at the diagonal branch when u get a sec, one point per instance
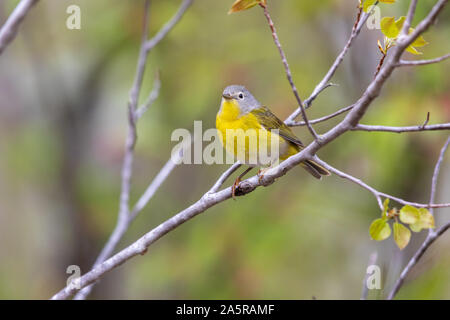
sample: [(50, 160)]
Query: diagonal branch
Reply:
[(378, 194), (437, 169), (413, 63), (432, 235), (162, 33), (409, 17), (318, 120), (125, 216), (9, 30), (431, 127), (288, 70), (155, 184), (127, 165), (154, 94)]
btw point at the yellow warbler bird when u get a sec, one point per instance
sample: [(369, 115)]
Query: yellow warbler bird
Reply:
[(246, 127)]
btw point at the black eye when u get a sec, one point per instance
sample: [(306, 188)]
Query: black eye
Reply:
[(241, 96)]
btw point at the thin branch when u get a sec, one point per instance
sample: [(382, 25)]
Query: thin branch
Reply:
[(432, 235), (322, 119), (309, 101), (377, 194), (437, 169), (409, 17), (211, 199), (357, 26), (426, 120), (125, 216), (127, 165), (224, 177), (344, 175), (162, 33), (413, 261), (288, 71), (430, 127), (380, 64), (413, 63), (9, 30), (155, 184)]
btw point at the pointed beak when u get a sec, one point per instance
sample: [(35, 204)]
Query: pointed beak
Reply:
[(227, 96)]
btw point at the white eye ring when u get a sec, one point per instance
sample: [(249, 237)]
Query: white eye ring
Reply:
[(241, 96)]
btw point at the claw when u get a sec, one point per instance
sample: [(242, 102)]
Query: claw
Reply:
[(260, 175), (234, 187)]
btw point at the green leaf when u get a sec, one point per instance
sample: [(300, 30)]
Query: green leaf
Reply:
[(402, 235), (367, 4), (409, 214), (399, 23), (413, 50), (425, 221), (379, 229), (419, 42), (390, 27), (240, 5)]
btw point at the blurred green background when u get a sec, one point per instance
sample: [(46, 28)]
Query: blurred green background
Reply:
[(63, 96)]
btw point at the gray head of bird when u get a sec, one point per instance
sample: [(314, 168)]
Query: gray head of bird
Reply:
[(246, 101)]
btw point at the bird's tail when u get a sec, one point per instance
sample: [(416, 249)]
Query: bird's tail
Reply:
[(315, 169)]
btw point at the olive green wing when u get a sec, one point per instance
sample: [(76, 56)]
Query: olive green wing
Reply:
[(270, 121)]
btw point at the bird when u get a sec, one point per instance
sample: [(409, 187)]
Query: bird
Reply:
[(240, 112)]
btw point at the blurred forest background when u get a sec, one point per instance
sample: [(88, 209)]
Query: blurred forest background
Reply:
[(63, 97)]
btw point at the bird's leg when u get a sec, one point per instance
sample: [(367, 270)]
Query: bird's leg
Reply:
[(237, 181), (261, 174)]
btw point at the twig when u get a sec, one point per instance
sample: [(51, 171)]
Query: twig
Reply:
[(155, 184), (413, 261), (344, 175), (224, 177), (426, 120), (288, 71), (413, 63), (409, 17), (431, 127), (380, 64), (323, 83), (9, 30), (377, 194), (437, 169), (154, 94), (432, 235), (162, 33), (318, 120), (309, 101)]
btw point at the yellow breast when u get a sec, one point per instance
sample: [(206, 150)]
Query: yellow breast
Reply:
[(245, 144)]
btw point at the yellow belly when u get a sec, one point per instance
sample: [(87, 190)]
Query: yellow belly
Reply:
[(247, 140)]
